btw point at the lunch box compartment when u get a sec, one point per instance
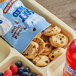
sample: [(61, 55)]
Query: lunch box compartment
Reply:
[(55, 68), (4, 51), (14, 59)]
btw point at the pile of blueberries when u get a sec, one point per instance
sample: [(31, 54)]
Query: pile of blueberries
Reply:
[(17, 69)]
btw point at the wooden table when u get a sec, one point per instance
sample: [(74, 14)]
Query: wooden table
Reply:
[(63, 9)]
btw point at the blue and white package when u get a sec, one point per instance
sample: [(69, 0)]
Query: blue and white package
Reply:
[(19, 25)]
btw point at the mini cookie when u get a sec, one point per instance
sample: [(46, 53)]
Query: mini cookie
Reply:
[(41, 44), (58, 40), (41, 60), (45, 39), (38, 35), (55, 53), (52, 31), (47, 49), (31, 51)]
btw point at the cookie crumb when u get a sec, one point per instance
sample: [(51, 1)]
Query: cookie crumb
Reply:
[(46, 61), (34, 46), (25, 28), (16, 22), (15, 37), (34, 29)]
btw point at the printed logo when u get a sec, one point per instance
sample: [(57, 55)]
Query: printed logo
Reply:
[(8, 6), (2, 1), (23, 13)]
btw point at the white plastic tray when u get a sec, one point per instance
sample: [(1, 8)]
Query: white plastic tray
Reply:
[(9, 55)]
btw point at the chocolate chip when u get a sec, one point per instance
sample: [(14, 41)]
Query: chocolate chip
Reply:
[(15, 37), (53, 47), (60, 38), (52, 56), (50, 60), (48, 46), (16, 22), (46, 61), (34, 29), (25, 28), (44, 40), (34, 46)]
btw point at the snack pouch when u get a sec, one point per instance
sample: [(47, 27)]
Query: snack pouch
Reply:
[(19, 25)]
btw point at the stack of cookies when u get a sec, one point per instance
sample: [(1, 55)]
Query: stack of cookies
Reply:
[(46, 47)]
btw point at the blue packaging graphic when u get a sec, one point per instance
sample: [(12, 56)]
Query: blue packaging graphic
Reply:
[(19, 25)]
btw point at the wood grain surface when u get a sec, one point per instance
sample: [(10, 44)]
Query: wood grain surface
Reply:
[(63, 9)]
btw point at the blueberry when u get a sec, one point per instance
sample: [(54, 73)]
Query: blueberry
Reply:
[(1, 21), (20, 71), (14, 75), (1, 74), (19, 64), (25, 74), (26, 69), (33, 74)]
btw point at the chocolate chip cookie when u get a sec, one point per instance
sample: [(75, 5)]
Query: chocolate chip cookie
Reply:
[(41, 44), (41, 61), (47, 49), (58, 40), (56, 53), (52, 31), (31, 51)]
